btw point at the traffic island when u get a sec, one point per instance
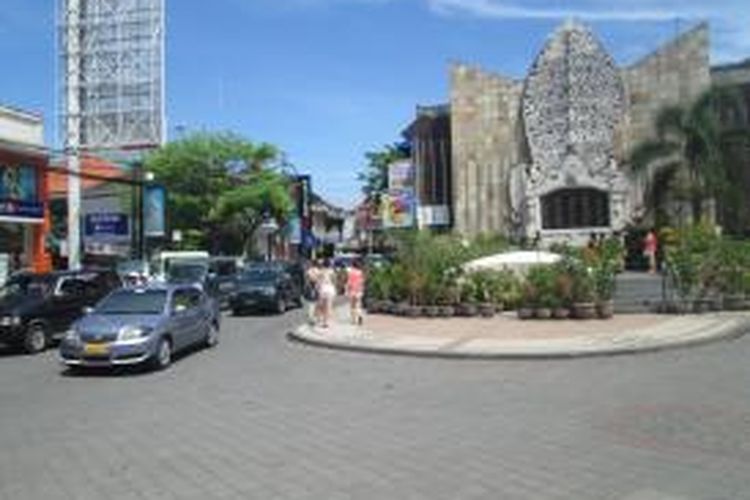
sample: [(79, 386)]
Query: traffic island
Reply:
[(506, 336)]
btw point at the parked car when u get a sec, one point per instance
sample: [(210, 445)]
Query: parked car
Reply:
[(222, 274), (142, 325), (265, 287), (36, 309)]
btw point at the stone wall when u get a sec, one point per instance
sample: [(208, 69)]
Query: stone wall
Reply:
[(677, 73), (487, 143)]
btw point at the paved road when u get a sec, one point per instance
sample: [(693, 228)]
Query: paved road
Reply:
[(261, 418)]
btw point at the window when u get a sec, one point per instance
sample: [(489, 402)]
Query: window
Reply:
[(575, 208), (186, 299)]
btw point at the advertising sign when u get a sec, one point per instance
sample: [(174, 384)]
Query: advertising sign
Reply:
[(398, 209), (106, 225), (434, 215), (18, 193), (401, 175), (155, 211)]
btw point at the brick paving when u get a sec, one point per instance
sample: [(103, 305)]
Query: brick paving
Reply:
[(263, 418)]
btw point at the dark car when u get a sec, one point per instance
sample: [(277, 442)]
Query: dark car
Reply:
[(36, 309), (142, 325), (265, 287), (222, 275)]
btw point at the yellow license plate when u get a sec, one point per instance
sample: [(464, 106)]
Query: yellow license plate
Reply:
[(96, 349)]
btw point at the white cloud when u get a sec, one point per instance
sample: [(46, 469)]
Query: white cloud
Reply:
[(505, 10), (728, 18)]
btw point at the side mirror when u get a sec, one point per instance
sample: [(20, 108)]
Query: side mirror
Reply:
[(179, 308), (87, 310)]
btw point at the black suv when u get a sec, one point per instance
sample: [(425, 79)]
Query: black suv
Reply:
[(36, 309)]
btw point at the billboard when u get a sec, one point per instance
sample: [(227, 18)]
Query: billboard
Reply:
[(155, 211), (18, 192), (397, 209), (401, 175)]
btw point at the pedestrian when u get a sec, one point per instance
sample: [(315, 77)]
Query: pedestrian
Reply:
[(355, 289), (311, 292), (650, 248), (326, 282)]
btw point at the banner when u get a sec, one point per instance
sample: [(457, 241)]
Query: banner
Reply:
[(154, 211), (18, 193), (397, 209), (401, 175)]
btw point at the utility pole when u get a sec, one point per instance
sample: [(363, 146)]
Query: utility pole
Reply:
[(73, 130)]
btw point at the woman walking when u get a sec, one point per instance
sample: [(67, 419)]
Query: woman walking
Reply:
[(326, 292), (650, 248), (355, 289)]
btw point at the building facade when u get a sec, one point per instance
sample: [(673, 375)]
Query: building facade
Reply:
[(546, 156), (24, 218)]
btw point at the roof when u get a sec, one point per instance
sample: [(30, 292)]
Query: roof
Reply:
[(57, 182)]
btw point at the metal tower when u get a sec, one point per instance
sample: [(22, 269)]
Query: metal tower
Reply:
[(112, 85), (112, 73)]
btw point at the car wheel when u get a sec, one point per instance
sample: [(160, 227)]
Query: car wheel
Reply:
[(212, 336), (163, 357), (35, 339)]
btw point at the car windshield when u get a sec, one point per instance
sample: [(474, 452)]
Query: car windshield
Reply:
[(260, 275), (186, 272), (24, 287), (133, 302)]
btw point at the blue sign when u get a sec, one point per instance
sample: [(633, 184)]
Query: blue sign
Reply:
[(154, 211), (18, 192), (106, 225)]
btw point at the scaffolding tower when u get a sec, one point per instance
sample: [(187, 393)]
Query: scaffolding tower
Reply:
[(111, 87), (112, 69)]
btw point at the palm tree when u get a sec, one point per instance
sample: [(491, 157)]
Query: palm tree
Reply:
[(687, 160)]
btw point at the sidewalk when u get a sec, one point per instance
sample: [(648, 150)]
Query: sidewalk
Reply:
[(505, 336)]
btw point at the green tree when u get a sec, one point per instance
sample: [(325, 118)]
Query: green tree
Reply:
[(374, 177), (219, 185), (687, 159)]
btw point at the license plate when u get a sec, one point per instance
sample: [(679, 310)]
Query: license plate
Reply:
[(96, 349)]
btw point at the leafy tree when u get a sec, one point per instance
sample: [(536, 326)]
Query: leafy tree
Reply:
[(374, 177), (688, 156), (220, 184)]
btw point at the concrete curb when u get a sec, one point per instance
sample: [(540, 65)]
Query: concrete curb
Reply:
[(699, 330)]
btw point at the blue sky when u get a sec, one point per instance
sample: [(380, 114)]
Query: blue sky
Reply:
[(327, 80)]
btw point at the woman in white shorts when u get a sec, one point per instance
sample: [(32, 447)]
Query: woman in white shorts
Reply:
[(326, 292)]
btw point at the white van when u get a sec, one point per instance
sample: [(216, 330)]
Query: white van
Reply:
[(160, 266)]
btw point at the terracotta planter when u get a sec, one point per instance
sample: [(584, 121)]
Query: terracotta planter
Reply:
[(401, 309), (413, 311), (525, 313), (468, 310), (734, 302), (432, 311), (487, 310), (447, 311), (543, 313), (700, 306), (561, 313), (605, 309), (584, 310)]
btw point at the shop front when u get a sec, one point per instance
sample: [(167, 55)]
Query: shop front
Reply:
[(23, 221)]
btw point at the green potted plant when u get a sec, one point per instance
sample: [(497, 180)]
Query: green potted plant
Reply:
[(563, 294), (542, 279), (584, 295), (528, 302)]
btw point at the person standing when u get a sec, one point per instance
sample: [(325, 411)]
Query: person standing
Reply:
[(650, 247), (326, 293), (311, 292), (355, 290)]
